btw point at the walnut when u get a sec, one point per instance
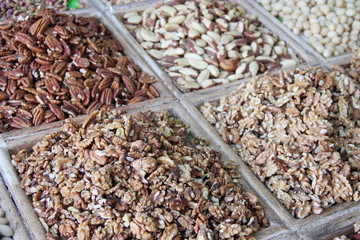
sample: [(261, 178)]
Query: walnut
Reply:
[(299, 133), (354, 69), (135, 177), (143, 226), (170, 232)]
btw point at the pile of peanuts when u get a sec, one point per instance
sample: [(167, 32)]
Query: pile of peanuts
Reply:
[(5, 230), (331, 26)]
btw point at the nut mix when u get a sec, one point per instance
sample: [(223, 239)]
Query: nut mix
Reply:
[(331, 26), (24, 8), (6, 231), (202, 43), (355, 236), (300, 133), (54, 66), (135, 177)]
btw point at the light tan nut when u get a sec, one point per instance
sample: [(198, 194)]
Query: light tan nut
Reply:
[(198, 64)]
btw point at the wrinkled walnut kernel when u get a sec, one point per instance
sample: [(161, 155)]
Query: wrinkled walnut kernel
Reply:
[(299, 132), (135, 177)]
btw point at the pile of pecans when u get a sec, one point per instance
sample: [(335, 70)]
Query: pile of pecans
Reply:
[(9, 8), (300, 133), (202, 43), (6, 231), (54, 66), (355, 236), (142, 176)]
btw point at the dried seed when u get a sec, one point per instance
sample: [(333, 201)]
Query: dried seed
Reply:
[(148, 36), (228, 65), (225, 39), (207, 83), (169, 10), (241, 69), (174, 52), (198, 27), (188, 71), (193, 56), (134, 19), (204, 75), (235, 77), (213, 70), (177, 19), (198, 64), (253, 68), (288, 63)]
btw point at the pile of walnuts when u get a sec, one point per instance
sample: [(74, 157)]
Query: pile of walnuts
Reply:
[(300, 133), (143, 177)]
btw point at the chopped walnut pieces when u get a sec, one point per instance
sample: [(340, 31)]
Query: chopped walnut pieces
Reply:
[(354, 70), (355, 236), (123, 176), (300, 138)]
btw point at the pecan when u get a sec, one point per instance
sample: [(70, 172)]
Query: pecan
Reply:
[(81, 62), (5, 65), (76, 92), (18, 94), (52, 85), (145, 78), (53, 43), (15, 74), (3, 96), (38, 115), (129, 84), (93, 107), (66, 47), (57, 111), (20, 122), (24, 38), (35, 48), (59, 68), (39, 26), (106, 96), (105, 83)]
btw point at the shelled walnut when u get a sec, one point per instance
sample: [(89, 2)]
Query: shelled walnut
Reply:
[(300, 133), (355, 236), (352, 69), (54, 66), (143, 177)]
